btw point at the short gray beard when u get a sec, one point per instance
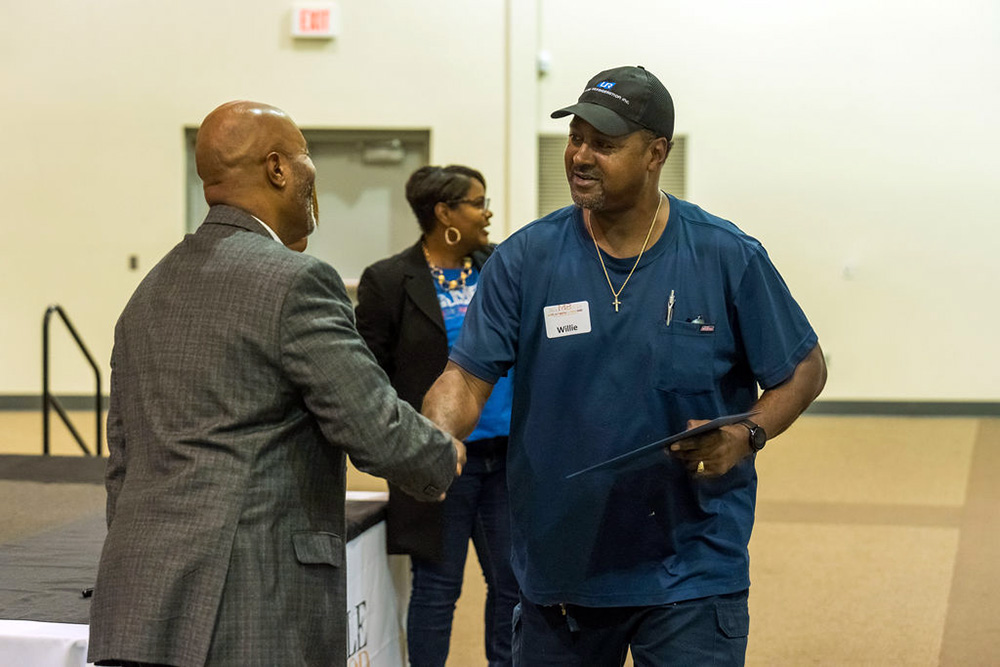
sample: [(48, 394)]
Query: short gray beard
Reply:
[(593, 202), (311, 203)]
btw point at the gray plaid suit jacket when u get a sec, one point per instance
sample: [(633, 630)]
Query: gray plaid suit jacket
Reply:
[(238, 384)]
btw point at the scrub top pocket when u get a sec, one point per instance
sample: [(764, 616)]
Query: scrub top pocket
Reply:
[(685, 358)]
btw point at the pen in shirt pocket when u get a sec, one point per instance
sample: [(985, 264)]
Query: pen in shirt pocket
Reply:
[(670, 307)]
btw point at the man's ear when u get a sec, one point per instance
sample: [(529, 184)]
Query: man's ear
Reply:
[(660, 149), (276, 169)]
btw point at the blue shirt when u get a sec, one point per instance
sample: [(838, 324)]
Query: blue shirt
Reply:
[(608, 382), (495, 420)]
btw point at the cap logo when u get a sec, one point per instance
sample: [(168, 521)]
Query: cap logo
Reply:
[(604, 87)]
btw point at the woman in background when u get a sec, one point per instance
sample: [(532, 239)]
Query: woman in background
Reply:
[(410, 310)]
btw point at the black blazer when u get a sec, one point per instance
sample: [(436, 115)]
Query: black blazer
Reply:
[(399, 316)]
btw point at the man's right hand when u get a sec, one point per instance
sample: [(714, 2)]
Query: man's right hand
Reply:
[(459, 462)]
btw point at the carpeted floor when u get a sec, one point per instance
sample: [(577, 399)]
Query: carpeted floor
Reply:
[(877, 539)]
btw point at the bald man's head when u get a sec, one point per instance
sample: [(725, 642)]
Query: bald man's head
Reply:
[(253, 156), (237, 137)]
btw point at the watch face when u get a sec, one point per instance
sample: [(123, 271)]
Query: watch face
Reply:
[(757, 435)]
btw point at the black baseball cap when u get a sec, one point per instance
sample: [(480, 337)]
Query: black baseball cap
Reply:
[(623, 100)]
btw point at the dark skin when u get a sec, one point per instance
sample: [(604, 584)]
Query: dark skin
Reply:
[(468, 219), (616, 181), (300, 245), (777, 408), (253, 157)]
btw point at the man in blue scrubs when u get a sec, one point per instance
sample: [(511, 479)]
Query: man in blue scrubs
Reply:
[(627, 317)]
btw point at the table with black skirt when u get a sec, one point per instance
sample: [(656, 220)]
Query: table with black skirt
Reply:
[(46, 575)]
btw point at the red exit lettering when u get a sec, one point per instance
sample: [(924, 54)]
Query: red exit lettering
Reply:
[(314, 20)]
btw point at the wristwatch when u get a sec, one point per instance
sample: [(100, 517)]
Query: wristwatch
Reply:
[(758, 438)]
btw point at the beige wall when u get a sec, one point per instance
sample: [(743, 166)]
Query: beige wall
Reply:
[(857, 140)]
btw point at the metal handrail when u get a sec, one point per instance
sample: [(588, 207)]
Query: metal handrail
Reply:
[(48, 400)]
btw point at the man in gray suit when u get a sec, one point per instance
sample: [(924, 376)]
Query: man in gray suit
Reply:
[(238, 385)]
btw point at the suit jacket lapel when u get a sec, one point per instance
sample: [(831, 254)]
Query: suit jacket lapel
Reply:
[(419, 287)]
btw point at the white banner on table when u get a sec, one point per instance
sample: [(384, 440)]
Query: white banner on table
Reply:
[(373, 626), (43, 644)]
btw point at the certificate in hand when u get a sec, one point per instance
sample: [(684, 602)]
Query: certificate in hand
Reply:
[(627, 460)]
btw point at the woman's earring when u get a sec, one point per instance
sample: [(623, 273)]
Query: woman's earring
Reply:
[(448, 238)]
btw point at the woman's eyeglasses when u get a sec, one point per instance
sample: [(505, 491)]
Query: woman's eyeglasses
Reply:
[(482, 204)]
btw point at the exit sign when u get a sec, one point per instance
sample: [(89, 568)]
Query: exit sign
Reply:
[(318, 20)]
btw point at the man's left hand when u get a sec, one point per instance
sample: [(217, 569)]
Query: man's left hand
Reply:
[(714, 453)]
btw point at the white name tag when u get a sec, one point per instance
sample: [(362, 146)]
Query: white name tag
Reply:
[(568, 319)]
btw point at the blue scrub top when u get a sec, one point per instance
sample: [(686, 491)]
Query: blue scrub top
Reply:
[(613, 381)]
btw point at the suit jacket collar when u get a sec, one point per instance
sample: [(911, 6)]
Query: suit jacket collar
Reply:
[(223, 214)]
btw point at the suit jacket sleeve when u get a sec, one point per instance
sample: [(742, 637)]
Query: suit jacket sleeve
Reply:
[(356, 407)]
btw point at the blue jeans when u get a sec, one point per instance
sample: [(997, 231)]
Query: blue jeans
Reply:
[(706, 631), (476, 507)]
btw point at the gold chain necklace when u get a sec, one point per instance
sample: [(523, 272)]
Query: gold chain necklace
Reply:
[(600, 257), (438, 272)]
